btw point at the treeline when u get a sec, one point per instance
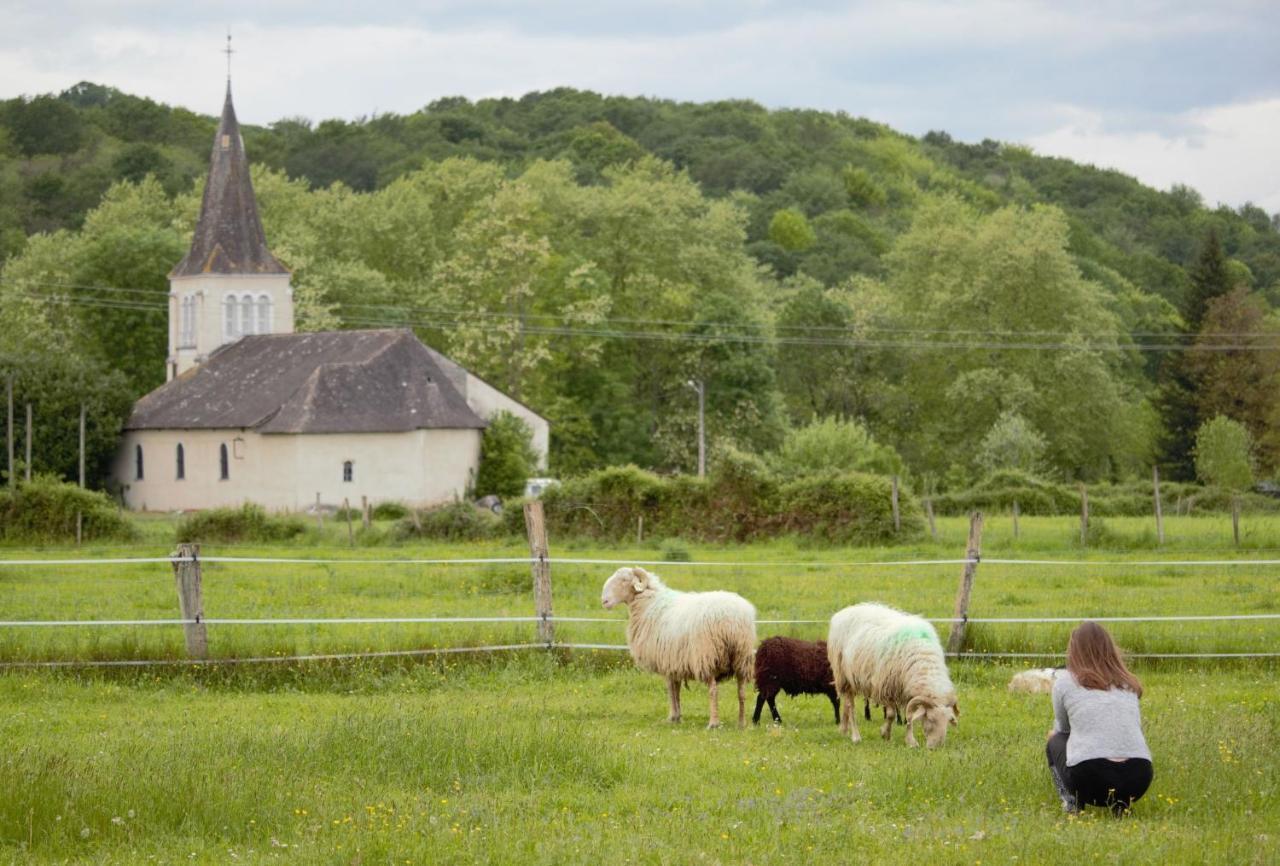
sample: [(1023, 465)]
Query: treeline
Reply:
[(966, 308)]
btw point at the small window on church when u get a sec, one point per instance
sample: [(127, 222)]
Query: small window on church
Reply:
[(246, 315), (224, 465), (264, 314), (182, 463), (348, 471), (137, 462), (229, 318), (226, 142)]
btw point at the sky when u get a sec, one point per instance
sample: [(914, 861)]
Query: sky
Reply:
[(1169, 92)]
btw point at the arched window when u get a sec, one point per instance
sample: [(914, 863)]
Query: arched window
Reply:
[(187, 323), (224, 465), (246, 314), (182, 463), (137, 462), (348, 470), (264, 314), (230, 322)]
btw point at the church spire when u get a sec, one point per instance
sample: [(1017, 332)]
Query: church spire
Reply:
[(228, 238)]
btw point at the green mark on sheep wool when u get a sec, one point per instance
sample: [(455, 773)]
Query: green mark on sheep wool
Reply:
[(911, 632)]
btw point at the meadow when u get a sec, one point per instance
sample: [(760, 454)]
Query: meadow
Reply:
[(565, 756)]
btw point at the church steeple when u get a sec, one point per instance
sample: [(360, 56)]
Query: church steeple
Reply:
[(228, 285), (228, 238)]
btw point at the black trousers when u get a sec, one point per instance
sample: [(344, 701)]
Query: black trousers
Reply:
[(1098, 782)]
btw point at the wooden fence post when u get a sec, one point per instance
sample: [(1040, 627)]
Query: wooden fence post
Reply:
[(1235, 519), (928, 512), (640, 529), (536, 525), (897, 517), (955, 642), (79, 527), (1015, 518), (364, 510), (186, 572), (1084, 515), (319, 513), (1155, 483), (351, 533)]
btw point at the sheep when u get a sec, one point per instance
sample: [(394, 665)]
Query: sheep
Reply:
[(1034, 681), (894, 659), (703, 636), (797, 667)]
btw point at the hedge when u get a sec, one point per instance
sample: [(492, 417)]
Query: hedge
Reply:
[(44, 510)]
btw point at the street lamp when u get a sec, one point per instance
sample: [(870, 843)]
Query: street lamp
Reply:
[(699, 386)]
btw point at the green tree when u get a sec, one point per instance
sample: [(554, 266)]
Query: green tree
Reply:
[(1224, 454), (507, 458), (1210, 278), (790, 230), (831, 446), (1012, 443)]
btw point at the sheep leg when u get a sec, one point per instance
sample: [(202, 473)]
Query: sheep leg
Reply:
[(715, 703), (755, 717), (886, 729), (742, 702), (673, 697), (835, 702), (773, 708), (911, 735)]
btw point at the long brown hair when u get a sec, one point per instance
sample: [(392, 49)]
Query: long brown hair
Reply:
[(1095, 661)]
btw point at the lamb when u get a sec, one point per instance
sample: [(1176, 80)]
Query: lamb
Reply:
[(797, 667), (1034, 681), (896, 660), (702, 636)]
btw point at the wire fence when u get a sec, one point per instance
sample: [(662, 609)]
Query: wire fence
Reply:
[(545, 619)]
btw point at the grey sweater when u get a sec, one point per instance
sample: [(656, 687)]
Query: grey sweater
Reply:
[(1102, 724)]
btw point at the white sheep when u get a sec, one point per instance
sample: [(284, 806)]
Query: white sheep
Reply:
[(896, 660), (702, 636), (1035, 681)]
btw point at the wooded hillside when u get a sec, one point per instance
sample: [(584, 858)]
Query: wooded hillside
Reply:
[(969, 307)]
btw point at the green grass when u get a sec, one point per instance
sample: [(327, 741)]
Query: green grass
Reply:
[(534, 760), (565, 758), (811, 585)]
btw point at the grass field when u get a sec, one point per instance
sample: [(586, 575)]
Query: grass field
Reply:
[(566, 757)]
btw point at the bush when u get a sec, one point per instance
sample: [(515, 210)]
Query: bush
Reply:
[(390, 511), (457, 521), (833, 446), (44, 510), (249, 522), (847, 509), (507, 458), (1224, 454)]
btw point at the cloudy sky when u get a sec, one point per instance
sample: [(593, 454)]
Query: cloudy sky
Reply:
[(1171, 92)]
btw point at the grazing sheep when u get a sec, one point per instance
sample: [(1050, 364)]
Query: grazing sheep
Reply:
[(1035, 681), (895, 660), (797, 667), (703, 636)]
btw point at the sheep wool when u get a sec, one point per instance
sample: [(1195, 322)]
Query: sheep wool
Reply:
[(684, 636), (894, 659), (797, 667)]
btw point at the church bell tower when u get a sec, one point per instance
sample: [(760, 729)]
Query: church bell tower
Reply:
[(229, 285)]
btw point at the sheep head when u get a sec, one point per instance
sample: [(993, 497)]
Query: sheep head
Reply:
[(624, 585), (936, 719)]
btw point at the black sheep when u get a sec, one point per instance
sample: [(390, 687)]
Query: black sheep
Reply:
[(797, 667)]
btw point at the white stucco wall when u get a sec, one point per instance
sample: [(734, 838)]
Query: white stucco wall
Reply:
[(210, 291), (487, 401), (285, 472)]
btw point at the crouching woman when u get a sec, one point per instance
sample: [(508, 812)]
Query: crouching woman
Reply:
[(1097, 754)]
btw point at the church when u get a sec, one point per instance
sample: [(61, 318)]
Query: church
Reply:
[(253, 412)]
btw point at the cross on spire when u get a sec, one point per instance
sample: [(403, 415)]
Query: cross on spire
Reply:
[(228, 51)]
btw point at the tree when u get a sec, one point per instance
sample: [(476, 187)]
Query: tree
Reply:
[(790, 230), (830, 446), (1210, 278), (1224, 454), (1012, 443), (507, 458)]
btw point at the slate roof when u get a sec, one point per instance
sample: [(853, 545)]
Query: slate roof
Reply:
[(383, 381), (228, 238)]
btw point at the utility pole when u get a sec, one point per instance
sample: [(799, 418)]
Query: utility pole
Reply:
[(82, 408), (700, 386)]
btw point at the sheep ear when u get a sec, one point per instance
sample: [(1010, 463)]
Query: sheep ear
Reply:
[(639, 579), (915, 710), (955, 715)]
